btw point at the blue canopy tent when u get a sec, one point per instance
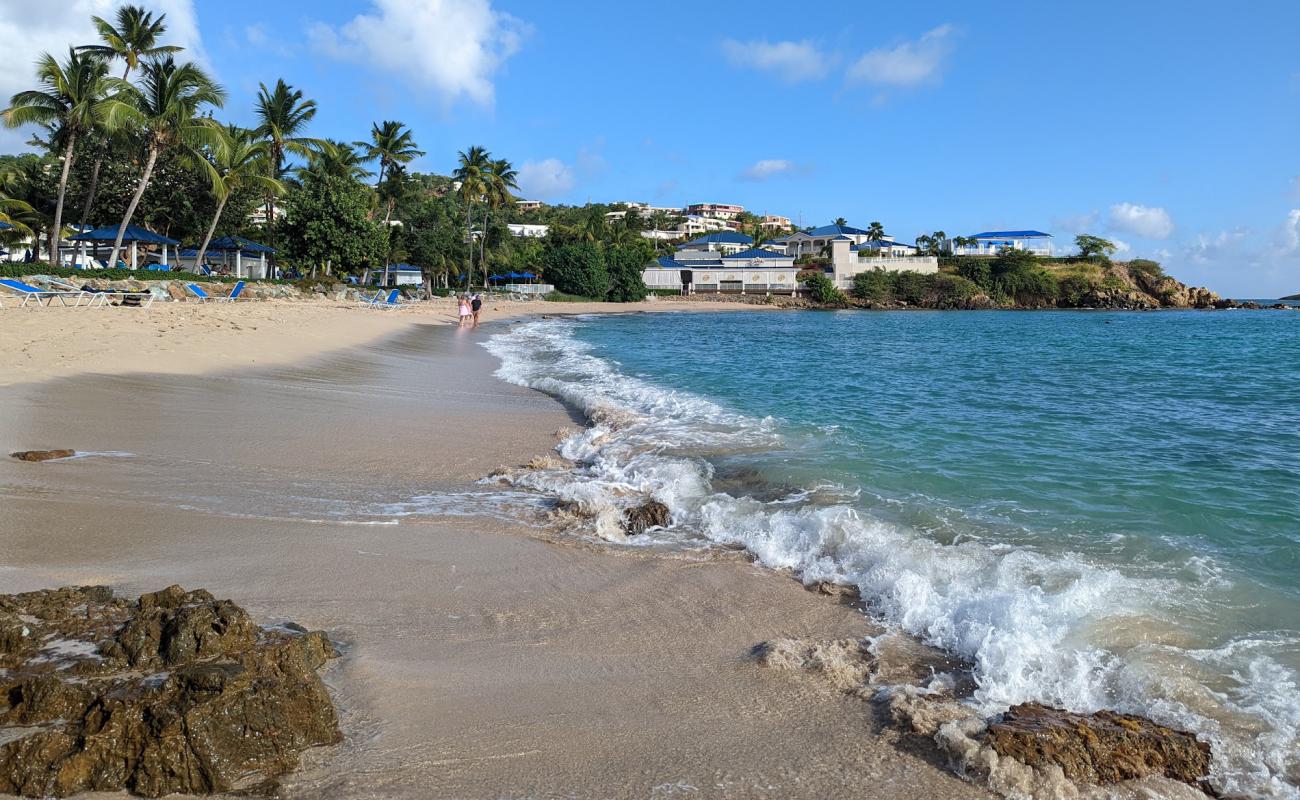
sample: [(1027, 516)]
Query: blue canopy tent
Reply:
[(133, 235), (241, 247)]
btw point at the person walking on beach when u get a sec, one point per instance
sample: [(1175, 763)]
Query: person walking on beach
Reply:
[(465, 312), (476, 305)]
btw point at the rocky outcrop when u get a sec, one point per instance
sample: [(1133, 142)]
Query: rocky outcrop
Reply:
[(651, 514), (175, 693), (1102, 748), (42, 455)]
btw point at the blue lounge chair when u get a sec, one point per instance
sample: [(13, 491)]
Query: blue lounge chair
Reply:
[(30, 293), (234, 294), (202, 296), (381, 300)]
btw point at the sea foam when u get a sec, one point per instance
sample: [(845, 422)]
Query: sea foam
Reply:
[(1033, 625)]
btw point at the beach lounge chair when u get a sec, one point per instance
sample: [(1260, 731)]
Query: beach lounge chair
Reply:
[(381, 300), (234, 294), (198, 292), (204, 297), (140, 299), (70, 299)]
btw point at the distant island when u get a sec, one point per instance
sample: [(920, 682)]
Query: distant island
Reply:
[(1291, 297)]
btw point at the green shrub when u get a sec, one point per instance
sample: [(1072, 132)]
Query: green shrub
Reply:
[(821, 288), (1114, 283), (874, 285), (952, 291), (976, 270), (576, 268), (912, 287), (624, 265), (1147, 267), (561, 297), (1073, 288)]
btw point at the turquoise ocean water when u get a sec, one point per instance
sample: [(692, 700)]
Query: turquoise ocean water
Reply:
[(1098, 510)]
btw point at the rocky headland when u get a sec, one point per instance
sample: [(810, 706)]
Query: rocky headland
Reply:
[(176, 692)]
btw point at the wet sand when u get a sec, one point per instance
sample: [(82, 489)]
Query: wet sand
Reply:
[(480, 659)]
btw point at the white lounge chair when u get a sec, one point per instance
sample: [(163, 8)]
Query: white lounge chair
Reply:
[(46, 297)]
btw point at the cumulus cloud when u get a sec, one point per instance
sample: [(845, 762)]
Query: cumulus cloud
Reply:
[(454, 47), (1121, 246), (908, 64), (29, 29), (766, 168), (545, 179), (791, 62), (1289, 235), (1149, 222)]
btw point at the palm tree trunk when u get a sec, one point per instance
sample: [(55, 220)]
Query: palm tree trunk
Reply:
[(482, 245), (57, 233), (207, 240), (90, 195), (135, 201), (469, 242)]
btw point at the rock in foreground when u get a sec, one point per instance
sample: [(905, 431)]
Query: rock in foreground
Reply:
[(175, 693), (1103, 748), (651, 514), (42, 455)]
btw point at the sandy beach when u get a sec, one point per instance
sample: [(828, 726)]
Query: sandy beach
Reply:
[(255, 450)]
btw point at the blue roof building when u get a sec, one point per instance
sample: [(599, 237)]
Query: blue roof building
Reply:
[(990, 243), (722, 241)]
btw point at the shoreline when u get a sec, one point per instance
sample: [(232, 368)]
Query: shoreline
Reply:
[(479, 659)]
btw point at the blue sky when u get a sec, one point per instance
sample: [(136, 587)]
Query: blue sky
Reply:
[(1171, 127)]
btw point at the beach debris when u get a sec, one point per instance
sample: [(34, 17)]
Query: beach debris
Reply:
[(1103, 748), (176, 692), (650, 514), (846, 592), (42, 455)]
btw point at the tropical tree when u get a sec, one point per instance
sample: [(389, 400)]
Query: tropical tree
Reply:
[(12, 212), (472, 172), (1093, 246), (283, 115), (133, 39), (841, 221), (501, 178), (875, 232), (166, 112), (334, 159), (70, 100), (390, 143), (238, 161)]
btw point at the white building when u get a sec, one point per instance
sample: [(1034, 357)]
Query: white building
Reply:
[(694, 225), (990, 243), (721, 211), (528, 205), (722, 242), (848, 259), (525, 231), (752, 271)]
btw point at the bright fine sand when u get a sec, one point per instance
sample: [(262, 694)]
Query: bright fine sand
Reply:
[(243, 449)]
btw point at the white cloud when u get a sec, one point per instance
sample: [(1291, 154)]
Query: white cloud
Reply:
[(791, 62), (1149, 222), (1121, 246), (1289, 235), (454, 47), (908, 64), (546, 179), (29, 29), (1079, 223), (766, 168)]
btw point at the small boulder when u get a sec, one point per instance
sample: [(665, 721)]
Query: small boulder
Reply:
[(651, 514), (42, 455), (1101, 748)]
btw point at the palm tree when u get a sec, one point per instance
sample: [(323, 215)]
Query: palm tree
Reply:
[(841, 221), (390, 143), (69, 101), (472, 174), (334, 159), (13, 212), (165, 110), (133, 39), (238, 161), (502, 177), (283, 115), (936, 242)]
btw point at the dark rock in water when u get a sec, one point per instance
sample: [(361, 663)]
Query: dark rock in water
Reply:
[(42, 455), (175, 693), (845, 592), (1102, 748), (651, 514)]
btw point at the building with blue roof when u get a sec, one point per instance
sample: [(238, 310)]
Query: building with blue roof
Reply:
[(990, 243), (721, 241)]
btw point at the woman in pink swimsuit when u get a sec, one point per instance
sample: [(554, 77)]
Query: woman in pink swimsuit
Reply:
[(465, 312)]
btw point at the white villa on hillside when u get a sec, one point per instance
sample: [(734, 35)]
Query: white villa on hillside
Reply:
[(729, 262), (990, 243), (525, 231)]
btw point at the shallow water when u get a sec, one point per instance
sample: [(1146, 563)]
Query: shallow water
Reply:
[(1098, 509)]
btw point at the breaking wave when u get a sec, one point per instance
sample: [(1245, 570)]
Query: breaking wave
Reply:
[(1058, 628)]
